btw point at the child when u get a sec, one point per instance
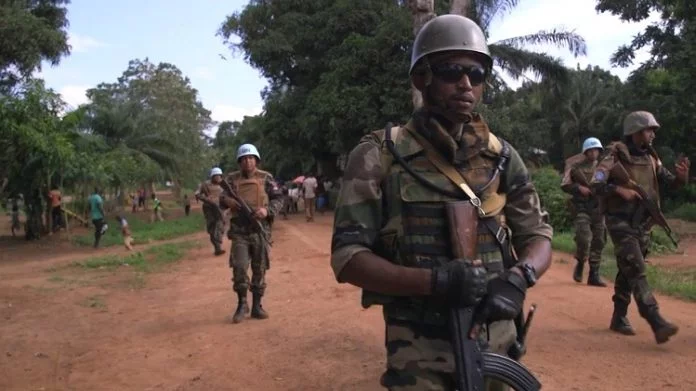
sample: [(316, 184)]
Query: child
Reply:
[(187, 205), (157, 211), (15, 217), (127, 238)]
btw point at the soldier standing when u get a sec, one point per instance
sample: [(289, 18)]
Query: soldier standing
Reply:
[(209, 192), (390, 231), (589, 220), (629, 223), (258, 190)]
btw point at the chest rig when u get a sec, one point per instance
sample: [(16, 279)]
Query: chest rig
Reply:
[(642, 168), (213, 191), (415, 190), (252, 190)]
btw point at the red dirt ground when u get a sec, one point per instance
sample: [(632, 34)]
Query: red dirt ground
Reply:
[(173, 334)]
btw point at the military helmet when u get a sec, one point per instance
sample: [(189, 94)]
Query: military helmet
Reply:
[(215, 171), (447, 33), (591, 143), (246, 150), (637, 121)]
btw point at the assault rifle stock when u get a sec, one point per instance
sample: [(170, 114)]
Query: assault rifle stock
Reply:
[(647, 203), (472, 365), (246, 212)]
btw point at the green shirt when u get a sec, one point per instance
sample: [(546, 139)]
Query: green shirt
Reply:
[(95, 207)]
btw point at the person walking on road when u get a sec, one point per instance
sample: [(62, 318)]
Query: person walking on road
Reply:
[(209, 193)]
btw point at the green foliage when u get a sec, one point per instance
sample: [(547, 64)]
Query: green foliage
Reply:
[(547, 182), (151, 259), (31, 31), (684, 212), (144, 231)]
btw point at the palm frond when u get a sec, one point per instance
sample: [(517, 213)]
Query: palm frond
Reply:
[(560, 38), (516, 62), (488, 10)]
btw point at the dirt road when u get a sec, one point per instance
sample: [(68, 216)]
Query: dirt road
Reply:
[(173, 334)]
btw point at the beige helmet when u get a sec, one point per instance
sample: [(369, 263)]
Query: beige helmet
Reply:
[(450, 32), (637, 121)]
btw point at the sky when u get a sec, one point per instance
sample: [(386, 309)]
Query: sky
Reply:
[(105, 35)]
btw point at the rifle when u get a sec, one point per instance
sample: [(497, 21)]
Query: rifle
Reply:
[(647, 203), (247, 213), (472, 365), (519, 348), (211, 204)]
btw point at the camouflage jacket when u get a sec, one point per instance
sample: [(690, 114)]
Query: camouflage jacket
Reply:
[(272, 200), (576, 166), (361, 214), (644, 167)]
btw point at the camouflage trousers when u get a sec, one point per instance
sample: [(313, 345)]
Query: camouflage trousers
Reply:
[(214, 224), (246, 250), (631, 248), (420, 356), (590, 236)]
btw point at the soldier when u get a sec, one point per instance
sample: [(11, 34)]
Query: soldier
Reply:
[(628, 223), (209, 192), (259, 191), (589, 220), (390, 230)]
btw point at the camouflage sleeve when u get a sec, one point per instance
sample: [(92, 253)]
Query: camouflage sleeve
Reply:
[(567, 184), (665, 177), (359, 207), (523, 212), (275, 196), (600, 180)]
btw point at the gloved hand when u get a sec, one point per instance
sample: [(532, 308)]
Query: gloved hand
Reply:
[(504, 300), (460, 283)]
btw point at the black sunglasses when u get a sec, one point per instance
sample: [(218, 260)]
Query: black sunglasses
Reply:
[(452, 73)]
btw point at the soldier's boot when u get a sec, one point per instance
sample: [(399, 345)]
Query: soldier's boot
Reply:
[(619, 321), (257, 310), (218, 249), (242, 309), (593, 279), (579, 267), (662, 329)]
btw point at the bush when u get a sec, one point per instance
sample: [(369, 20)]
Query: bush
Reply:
[(553, 199)]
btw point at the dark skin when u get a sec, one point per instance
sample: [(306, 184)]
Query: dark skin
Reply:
[(591, 155), (455, 102), (645, 138)]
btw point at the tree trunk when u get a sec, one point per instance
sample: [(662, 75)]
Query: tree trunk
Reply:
[(422, 11), (460, 7), (33, 207), (49, 217)]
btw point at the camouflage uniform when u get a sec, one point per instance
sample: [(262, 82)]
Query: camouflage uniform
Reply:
[(258, 191), (383, 209), (214, 221), (590, 233), (629, 226)]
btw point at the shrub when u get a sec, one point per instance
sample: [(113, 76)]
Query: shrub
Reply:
[(548, 184)]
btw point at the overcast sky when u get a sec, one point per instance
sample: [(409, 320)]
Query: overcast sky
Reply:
[(106, 35)]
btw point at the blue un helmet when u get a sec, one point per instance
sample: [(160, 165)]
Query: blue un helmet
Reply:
[(591, 143), (246, 150)]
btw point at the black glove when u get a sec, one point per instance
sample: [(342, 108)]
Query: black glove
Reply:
[(460, 283), (505, 298)]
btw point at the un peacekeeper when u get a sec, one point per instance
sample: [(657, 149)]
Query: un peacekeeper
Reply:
[(629, 225), (589, 220), (258, 189), (390, 233), (209, 193)]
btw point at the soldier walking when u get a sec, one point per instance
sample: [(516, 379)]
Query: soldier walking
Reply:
[(590, 234), (390, 230), (258, 190), (635, 162), (209, 193)]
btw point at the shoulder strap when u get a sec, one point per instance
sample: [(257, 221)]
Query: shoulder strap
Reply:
[(448, 170)]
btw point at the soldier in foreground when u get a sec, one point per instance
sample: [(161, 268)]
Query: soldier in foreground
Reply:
[(589, 220), (259, 191), (390, 230), (209, 193), (632, 167)]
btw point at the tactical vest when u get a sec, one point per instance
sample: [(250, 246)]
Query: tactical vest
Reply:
[(213, 191), (643, 170), (586, 170), (416, 232), (252, 190)]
